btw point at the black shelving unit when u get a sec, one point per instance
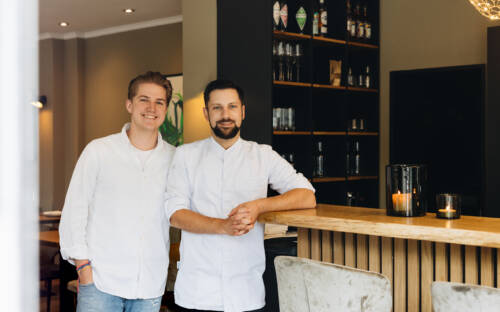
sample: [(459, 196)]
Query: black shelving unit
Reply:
[(245, 39)]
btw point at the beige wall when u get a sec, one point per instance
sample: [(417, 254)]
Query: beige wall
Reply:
[(424, 34), (86, 85), (111, 61), (199, 62)]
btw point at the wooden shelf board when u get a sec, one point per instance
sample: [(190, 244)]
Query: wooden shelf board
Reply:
[(331, 40), (329, 133), (323, 86), (362, 133), (291, 132), (362, 89), (357, 178), (284, 34), (292, 83), (328, 179), (363, 45)]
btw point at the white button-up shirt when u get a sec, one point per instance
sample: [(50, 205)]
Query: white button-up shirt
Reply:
[(221, 272), (114, 216)]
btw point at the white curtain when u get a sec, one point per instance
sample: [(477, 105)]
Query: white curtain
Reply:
[(19, 285)]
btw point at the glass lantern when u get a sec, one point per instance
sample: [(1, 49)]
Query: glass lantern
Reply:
[(406, 189)]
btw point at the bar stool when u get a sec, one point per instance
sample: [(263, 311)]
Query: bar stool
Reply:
[(308, 285), (457, 297)]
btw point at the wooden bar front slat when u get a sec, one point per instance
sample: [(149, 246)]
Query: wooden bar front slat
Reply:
[(315, 245), (413, 273), (303, 243), (456, 264), (427, 273), (387, 263), (399, 275), (338, 248), (326, 246), (374, 254), (441, 262), (362, 252), (350, 250), (487, 267), (471, 270)]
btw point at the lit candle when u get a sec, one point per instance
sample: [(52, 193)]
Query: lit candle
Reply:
[(447, 212), (401, 202)]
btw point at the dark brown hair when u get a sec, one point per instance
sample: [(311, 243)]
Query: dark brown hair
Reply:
[(150, 77), (221, 84)]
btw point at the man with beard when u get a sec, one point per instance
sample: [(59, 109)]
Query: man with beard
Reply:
[(217, 188)]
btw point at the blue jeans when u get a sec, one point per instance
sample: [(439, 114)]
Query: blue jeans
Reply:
[(91, 299)]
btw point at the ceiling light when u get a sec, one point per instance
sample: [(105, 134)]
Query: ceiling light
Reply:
[(64, 24), (488, 8), (129, 11)]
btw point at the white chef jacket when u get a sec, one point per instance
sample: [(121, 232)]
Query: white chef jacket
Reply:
[(114, 216), (221, 272)]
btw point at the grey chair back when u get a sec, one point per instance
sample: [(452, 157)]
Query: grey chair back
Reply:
[(457, 297), (307, 285)]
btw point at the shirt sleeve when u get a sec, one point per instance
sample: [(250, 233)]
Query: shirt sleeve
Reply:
[(283, 177), (177, 192), (73, 225)]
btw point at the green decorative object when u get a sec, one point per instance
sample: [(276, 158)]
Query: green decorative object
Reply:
[(172, 128), (301, 18)]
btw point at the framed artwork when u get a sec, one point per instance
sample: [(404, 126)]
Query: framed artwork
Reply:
[(172, 128)]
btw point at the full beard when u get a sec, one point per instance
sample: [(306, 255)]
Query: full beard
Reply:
[(225, 135)]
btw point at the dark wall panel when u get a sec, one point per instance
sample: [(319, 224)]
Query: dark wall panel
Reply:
[(492, 124), (244, 56)]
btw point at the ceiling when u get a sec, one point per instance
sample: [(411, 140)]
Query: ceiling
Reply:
[(91, 15)]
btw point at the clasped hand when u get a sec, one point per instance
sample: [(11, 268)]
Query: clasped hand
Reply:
[(242, 218)]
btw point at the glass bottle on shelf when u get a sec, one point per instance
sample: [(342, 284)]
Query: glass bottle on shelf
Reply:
[(349, 18), (288, 61), (350, 199), (361, 26), (367, 77), (319, 161), (276, 119), (348, 159), (368, 25), (291, 159), (357, 159), (291, 119), (323, 18), (275, 58), (284, 119), (297, 55), (361, 79), (301, 18), (281, 56), (357, 13), (283, 15), (315, 30), (350, 78), (276, 15)]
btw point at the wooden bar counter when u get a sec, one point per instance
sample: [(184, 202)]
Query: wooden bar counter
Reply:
[(411, 252)]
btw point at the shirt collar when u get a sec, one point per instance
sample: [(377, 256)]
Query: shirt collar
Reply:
[(216, 147), (126, 139)]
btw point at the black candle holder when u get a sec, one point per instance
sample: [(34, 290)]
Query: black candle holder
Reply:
[(448, 206), (406, 190)]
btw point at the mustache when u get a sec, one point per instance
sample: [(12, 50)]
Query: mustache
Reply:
[(225, 120)]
